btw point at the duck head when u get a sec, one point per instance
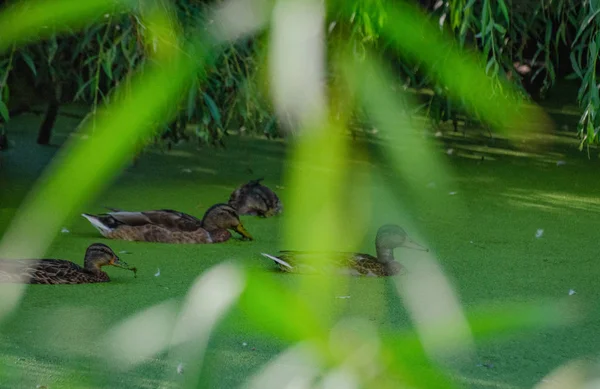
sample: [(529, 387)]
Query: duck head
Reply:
[(391, 236), (224, 217), (98, 255)]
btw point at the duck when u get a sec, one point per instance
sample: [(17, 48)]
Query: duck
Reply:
[(61, 271), (389, 237), (255, 199), (170, 226)]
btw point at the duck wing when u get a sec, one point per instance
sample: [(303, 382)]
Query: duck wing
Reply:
[(167, 218), (329, 255), (337, 261), (174, 219), (271, 198), (59, 271), (253, 202), (44, 271), (239, 195), (129, 218), (161, 234), (254, 198)]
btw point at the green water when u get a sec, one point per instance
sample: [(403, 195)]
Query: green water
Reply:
[(489, 251)]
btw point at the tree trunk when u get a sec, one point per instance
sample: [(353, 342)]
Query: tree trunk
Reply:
[(3, 139), (46, 128)]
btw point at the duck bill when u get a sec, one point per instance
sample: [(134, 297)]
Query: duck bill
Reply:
[(411, 244), (118, 263), (242, 231)]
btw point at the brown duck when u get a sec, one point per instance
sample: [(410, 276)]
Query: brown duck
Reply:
[(168, 226), (255, 199), (60, 271), (388, 238)]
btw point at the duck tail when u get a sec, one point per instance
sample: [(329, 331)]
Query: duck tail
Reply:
[(95, 220), (279, 261)]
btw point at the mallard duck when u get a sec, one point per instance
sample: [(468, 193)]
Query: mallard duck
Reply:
[(168, 226), (60, 271), (389, 237), (254, 199)]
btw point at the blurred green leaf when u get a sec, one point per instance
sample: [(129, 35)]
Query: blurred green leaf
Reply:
[(82, 89), (279, 311), (29, 61), (412, 154), (504, 10), (585, 24), (368, 28), (4, 111), (212, 107), (5, 94), (500, 28), (38, 19)]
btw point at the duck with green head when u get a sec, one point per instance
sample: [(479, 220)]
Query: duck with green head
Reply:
[(169, 226), (389, 237), (60, 271)]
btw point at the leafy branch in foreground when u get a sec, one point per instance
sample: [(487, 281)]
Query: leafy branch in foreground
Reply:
[(85, 64)]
